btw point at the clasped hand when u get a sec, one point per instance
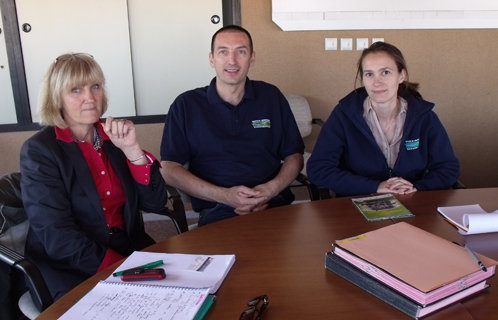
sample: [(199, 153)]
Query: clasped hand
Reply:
[(396, 185), (246, 200)]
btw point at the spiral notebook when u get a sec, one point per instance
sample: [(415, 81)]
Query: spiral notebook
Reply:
[(119, 301)]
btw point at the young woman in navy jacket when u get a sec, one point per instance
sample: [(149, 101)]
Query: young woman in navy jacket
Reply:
[(383, 137)]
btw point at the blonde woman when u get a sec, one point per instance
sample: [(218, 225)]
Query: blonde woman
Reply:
[(84, 180)]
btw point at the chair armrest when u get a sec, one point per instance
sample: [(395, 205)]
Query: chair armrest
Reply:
[(177, 215), (312, 189), (458, 185), (318, 121), (324, 193), (34, 275)]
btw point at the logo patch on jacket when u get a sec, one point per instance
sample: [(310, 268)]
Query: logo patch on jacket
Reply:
[(412, 144), (263, 123)]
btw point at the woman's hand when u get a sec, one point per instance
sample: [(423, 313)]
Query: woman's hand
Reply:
[(122, 133), (396, 185)]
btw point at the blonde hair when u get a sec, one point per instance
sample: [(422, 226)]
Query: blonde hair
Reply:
[(68, 71)]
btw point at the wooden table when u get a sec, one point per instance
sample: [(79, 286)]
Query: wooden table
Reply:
[(281, 252)]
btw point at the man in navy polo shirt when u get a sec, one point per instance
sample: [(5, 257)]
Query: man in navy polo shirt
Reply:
[(234, 135)]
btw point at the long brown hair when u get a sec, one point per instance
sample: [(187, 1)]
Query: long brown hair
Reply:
[(395, 53)]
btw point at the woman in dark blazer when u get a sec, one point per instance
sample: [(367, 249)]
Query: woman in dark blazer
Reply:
[(84, 181)]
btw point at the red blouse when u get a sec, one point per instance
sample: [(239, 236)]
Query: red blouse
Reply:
[(109, 186)]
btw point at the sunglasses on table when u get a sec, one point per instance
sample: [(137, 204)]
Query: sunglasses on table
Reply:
[(253, 312)]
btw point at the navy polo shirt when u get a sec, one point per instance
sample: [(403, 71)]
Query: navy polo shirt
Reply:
[(230, 146)]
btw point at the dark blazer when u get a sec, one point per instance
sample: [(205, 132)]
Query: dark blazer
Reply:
[(69, 236)]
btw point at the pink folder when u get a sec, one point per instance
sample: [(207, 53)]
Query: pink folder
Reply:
[(417, 259)]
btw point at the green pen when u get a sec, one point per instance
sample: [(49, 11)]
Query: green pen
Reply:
[(145, 266)]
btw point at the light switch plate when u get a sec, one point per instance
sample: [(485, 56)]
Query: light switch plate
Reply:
[(361, 43), (346, 43), (330, 43)]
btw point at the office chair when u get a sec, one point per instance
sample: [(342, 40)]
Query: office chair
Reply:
[(13, 231), (304, 120), (177, 214)]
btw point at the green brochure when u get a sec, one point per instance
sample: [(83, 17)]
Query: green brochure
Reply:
[(381, 207)]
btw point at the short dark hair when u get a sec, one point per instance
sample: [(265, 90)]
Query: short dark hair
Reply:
[(232, 28), (398, 58)]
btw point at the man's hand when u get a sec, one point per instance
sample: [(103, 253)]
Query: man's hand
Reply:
[(288, 172), (266, 191), (242, 198), (245, 199)]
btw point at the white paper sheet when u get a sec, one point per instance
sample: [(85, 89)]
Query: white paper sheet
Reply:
[(179, 269), (471, 219)]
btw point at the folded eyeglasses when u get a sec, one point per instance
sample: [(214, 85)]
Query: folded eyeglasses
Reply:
[(253, 312)]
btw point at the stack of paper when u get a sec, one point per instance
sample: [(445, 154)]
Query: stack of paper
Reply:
[(181, 269), (411, 269), (470, 219), (185, 293)]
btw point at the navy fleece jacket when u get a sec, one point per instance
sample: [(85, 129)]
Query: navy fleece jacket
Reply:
[(347, 159)]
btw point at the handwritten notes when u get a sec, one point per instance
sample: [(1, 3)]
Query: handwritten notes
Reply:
[(120, 301)]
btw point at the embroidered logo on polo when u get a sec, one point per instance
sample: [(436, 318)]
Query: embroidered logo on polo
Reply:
[(263, 123), (412, 144)]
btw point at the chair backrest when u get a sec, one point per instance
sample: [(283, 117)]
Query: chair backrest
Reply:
[(10, 190), (13, 231), (13, 218), (302, 113)]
